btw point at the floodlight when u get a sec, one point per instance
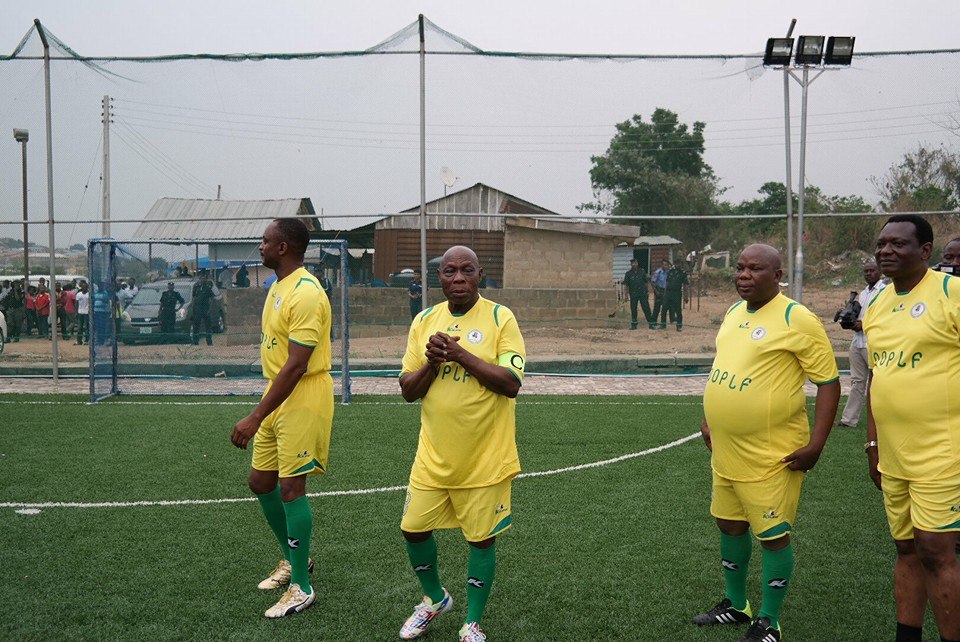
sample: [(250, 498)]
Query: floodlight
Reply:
[(839, 50), (778, 52), (21, 135), (809, 50)]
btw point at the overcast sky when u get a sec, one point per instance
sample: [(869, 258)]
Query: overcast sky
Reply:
[(342, 131), (147, 27)]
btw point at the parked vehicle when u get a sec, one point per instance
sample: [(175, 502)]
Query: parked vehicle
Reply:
[(140, 321)]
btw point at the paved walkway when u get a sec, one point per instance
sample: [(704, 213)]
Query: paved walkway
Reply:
[(596, 385)]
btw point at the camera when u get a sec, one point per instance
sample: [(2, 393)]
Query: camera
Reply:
[(848, 314), (946, 269)]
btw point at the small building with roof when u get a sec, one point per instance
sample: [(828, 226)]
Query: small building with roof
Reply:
[(520, 244)]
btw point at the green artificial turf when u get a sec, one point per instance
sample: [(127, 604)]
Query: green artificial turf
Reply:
[(626, 551)]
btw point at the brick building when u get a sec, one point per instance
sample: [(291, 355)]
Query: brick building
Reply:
[(539, 250)]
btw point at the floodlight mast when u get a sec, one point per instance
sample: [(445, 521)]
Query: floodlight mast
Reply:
[(809, 54)]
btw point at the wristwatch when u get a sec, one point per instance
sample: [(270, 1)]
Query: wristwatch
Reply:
[(869, 445)]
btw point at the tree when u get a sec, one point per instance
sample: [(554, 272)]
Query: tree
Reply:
[(656, 168), (923, 180)]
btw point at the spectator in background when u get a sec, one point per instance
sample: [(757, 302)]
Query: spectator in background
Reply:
[(225, 278), (30, 308), (858, 348), (101, 314), (636, 286), (676, 294), (14, 311), (69, 321), (132, 282), (58, 300), (170, 302), (203, 293), (124, 296), (951, 255), (42, 303), (5, 290), (659, 280), (243, 277), (415, 292), (83, 313)]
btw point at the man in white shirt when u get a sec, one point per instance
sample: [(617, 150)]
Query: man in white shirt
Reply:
[(858, 348), (83, 313)]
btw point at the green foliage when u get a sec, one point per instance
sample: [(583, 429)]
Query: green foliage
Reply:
[(633, 540), (656, 168), (924, 179)]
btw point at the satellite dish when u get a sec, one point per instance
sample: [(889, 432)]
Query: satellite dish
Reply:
[(447, 176)]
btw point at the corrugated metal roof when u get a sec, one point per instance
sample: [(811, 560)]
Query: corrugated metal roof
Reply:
[(170, 218)]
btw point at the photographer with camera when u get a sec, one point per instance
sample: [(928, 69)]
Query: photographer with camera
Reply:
[(851, 318), (950, 261)]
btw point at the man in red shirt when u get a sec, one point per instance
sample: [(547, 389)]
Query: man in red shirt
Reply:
[(42, 302), (69, 321)]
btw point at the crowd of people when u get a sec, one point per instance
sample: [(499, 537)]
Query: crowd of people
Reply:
[(671, 290), (27, 311)]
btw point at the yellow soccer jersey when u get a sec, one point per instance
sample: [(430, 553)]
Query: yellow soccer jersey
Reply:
[(913, 343), (467, 432), (296, 310), (754, 401)]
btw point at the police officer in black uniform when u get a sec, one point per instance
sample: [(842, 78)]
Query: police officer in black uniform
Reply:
[(170, 302), (202, 295), (676, 294), (636, 284)]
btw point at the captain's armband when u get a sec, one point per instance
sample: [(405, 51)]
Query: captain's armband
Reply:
[(513, 362)]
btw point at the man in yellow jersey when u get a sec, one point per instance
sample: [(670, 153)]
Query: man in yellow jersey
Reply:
[(293, 419), (755, 424), (913, 423), (465, 360)]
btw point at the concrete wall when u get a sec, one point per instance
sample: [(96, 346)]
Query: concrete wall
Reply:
[(380, 311), (548, 259)]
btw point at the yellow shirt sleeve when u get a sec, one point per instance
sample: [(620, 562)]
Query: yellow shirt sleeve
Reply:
[(415, 356), (511, 351), (813, 349), (305, 315)]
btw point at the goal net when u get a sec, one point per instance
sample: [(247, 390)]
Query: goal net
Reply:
[(153, 332)]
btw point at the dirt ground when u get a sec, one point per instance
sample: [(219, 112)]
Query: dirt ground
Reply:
[(548, 340)]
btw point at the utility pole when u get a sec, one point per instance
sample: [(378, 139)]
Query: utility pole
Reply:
[(53, 268), (106, 167), (22, 136)]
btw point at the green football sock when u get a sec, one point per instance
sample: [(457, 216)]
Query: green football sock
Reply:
[(299, 527), (735, 551), (480, 571), (777, 571), (276, 518), (423, 558)]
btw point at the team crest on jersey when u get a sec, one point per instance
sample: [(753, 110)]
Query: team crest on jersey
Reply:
[(758, 334), (918, 310), (276, 305), (474, 336)]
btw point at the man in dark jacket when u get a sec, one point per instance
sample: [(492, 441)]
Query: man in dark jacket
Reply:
[(203, 294)]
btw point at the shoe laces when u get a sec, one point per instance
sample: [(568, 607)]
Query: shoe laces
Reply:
[(281, 568), (293, 594), (424, 612), (473, 633)]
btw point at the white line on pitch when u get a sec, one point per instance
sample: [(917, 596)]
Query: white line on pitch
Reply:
[(332, 493)]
